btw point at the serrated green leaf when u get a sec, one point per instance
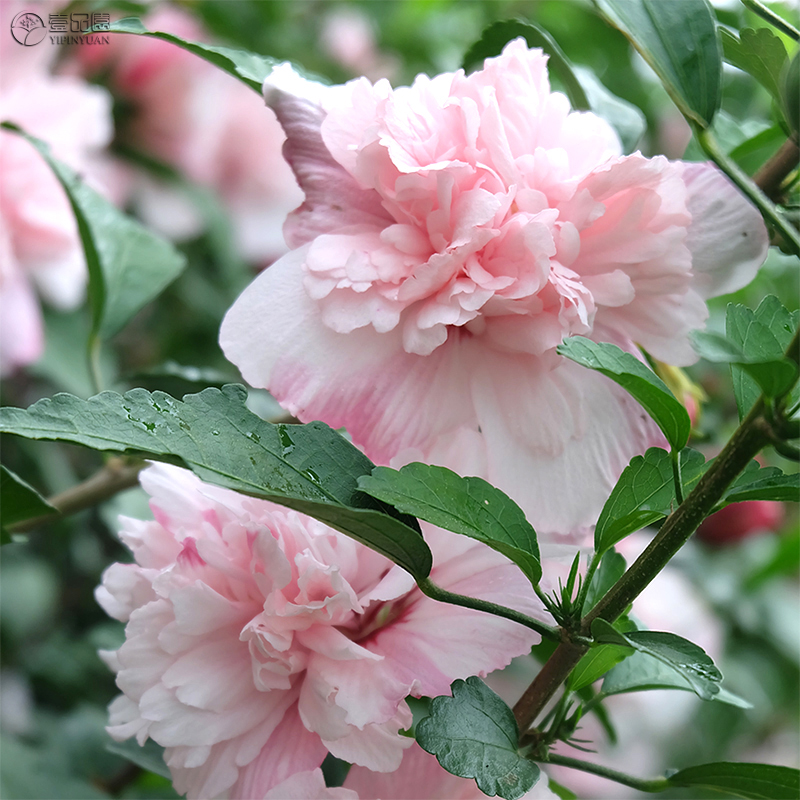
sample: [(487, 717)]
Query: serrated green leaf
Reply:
[(762, 335), (754, 781), (610, 570), (309, 468), (469, 506), (250, 68), (498, 34), (473, 734), (685, 657), (763, 483), (774, 375), (641, 672), (678, 39), (128, 265), (758, 52), (644, 494), (639, 381), (19, 501)]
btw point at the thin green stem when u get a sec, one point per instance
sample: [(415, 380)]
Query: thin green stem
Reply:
[(746, 185), (590, 570), (677, 479), (770, 16), (95, 370), (428, 587), (642, 784)]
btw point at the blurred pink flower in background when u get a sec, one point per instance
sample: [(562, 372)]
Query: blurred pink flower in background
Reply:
[(258, 639), (741, 520), (189, 114), (453, 233), (39, 245), (349, 39)]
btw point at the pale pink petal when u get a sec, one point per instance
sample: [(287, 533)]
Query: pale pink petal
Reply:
[(421, 778), (305, 363), (557, 440), (308, 786), (333, 198), (291, 749), (727, 237)]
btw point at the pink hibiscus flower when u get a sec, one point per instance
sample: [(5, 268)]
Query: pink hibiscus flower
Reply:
[(40, 250), (258, 639), (453, 233), (421, 778)]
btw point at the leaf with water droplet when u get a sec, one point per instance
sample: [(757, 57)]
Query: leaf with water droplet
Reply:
[(685, 657), (208, 433)]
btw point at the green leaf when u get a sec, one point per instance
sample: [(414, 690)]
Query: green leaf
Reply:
[(678, 39), (762, 336), (686, 658), (149, 757), (611, 569), (627, 120), (309, 468), (756, 781), (633, 376), (763, 483), (758, 52), (561, 791), (774, 374), (641, 672), (473, 734), (250, 68), (128, 265), (19, 501), (469, 506), (790, 93), (498, 34), (596, 663), (644, 494)]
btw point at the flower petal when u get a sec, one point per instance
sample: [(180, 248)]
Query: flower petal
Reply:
[(727, 236)]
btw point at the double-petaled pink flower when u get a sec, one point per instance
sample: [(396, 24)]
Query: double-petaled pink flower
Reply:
[(258, 639), (453, 233)]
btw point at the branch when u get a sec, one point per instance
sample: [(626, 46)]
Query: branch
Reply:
[(643, 785), (117, 475), (770, 177), (429, 588)]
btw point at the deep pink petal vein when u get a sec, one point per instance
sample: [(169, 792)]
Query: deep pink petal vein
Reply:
[(454, 232)]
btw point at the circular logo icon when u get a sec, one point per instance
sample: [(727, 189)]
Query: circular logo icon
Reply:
[(27, 28)]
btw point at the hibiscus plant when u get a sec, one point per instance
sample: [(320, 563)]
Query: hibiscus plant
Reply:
[(466, 435)]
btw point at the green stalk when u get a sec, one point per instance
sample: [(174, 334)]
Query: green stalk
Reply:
[(642, 784), (429, 588)]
